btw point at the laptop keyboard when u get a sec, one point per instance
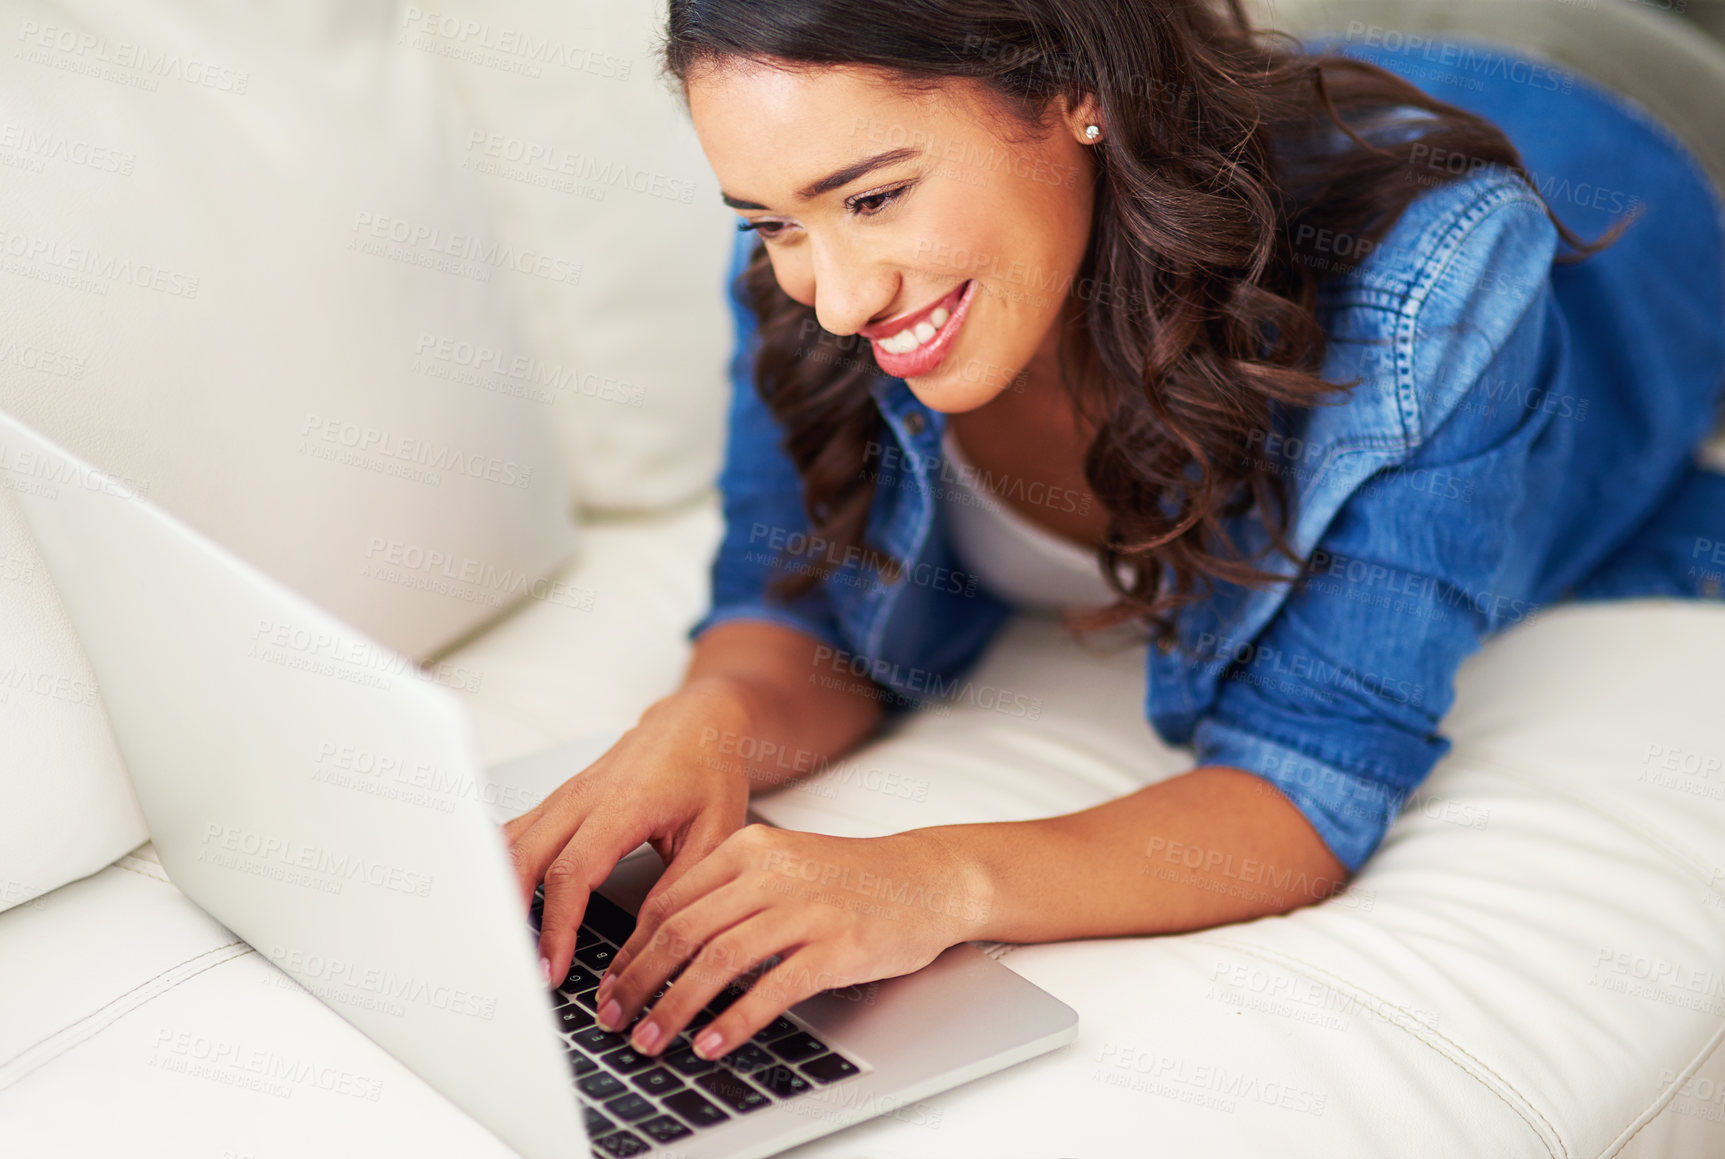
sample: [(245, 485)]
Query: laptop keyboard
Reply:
[(633, 1102)]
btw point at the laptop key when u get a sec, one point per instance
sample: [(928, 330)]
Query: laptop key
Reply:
[(600, 1085), (597, 1124), (627, 1060), (598, 955), (597, 1041), (782, 1081), (829, 1068), (688, 1062), (664, 1129), (580, 978), (731, 1090), (746, 1057), (621, 1144), (777, 1028), (586, 935), (609, 918), (722, 1001), (658, 1081), (796, 1047), (630, 1106), (583, 1065), (573, 1019), (693, 1108)]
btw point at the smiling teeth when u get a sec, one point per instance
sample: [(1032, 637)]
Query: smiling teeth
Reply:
[(907, 340)]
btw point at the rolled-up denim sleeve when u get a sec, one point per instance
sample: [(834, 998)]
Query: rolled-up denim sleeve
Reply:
[(1337, 701), (761, 496)]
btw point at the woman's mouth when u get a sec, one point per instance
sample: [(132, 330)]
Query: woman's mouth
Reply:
[(913, 344)]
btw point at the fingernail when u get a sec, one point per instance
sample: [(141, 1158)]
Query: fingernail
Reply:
[(610, 1015), (646, 1036), (707, 1044), (605, 985), (545, 970)]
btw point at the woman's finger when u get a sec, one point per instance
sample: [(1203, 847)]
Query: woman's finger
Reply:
[(585, 860), (799, 974), (643, 967), (723, 957), (539, 835), (706, 834)]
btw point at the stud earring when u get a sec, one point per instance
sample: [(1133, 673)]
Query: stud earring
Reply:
[(1091, 132)]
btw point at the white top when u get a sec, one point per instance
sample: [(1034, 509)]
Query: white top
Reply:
[(1013, 558)]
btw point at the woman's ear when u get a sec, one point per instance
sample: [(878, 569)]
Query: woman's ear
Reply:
[(1084, 119)]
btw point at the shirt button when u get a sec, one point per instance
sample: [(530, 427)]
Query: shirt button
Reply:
[(1710, 587), (1165, 645), (913, 423)]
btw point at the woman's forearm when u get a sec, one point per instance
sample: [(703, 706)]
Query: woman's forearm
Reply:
[(778, 713), (1208, 847)]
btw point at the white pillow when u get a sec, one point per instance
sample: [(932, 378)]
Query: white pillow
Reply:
[(66, 804), (237, 271), (568, 123)]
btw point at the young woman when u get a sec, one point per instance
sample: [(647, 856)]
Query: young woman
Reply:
[(1120, 310)]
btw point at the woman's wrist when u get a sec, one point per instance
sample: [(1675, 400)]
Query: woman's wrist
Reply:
[(955, 883)]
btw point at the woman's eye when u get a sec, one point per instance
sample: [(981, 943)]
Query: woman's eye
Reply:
[(767, 229), (869, 204)]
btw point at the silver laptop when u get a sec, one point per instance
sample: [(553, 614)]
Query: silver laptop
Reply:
[(321, 797)]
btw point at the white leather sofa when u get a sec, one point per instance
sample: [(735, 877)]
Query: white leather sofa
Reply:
[(259, 262)]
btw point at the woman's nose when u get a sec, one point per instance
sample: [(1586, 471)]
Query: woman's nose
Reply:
[(849, 288)]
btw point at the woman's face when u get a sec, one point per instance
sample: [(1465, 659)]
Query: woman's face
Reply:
[(935, 225)]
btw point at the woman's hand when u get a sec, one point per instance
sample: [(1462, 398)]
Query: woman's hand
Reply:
[(836, 911), (663, 782)]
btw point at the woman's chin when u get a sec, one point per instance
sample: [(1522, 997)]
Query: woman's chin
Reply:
[(951, 390)]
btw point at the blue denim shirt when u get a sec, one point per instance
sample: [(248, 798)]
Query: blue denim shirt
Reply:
[(1521, 432)]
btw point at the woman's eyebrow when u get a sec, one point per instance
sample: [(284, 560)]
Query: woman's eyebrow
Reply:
[(835, 180)]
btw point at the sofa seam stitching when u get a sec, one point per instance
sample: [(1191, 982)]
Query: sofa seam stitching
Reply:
[(1663, 1104), (117, 998), (1282, 958)]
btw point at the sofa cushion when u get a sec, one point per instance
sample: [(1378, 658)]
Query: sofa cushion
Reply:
[(1528, 967), (238, 272), (569, 127)]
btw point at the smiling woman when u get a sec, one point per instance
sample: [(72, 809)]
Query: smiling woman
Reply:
[(1241, 336)]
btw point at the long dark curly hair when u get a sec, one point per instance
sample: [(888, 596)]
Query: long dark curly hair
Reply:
[(1225, 147)]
